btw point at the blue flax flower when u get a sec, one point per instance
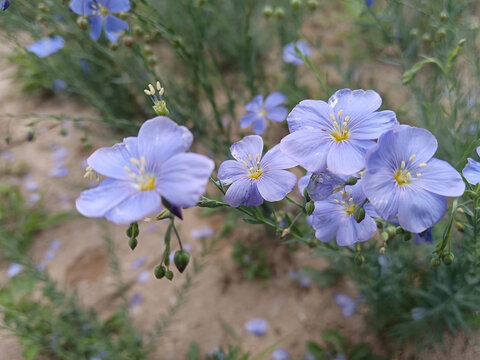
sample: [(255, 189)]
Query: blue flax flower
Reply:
[(257, 326), (425, 237), (47, 46), (4, 4), (336, 135), (333, 217), (290, 54), (254, 178), (347, 304), (100, 12), (259, 111), (142, 169), (370, 3), (280, 353), (403, 180), (471, 172)]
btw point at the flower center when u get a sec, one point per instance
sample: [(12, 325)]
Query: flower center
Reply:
[(98, 9), (347, 202), (340, 130), (143, 181), (402, 177), (255, 172), (254, 169), (350, 208), (262, 113)]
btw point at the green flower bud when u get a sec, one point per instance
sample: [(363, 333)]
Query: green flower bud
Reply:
[(82, 22), (165, 214), (279, 13), (43, 7), (414, 32), (359, 214), (443, 15), (133, 230), (169, 274), (122, 15), (359, 259), (391, 231), (181, 259), (385, 235), (460, 227), (128, 40), (152, 60), (309, 207), (147, 50), (426, 37), (295, 4), (176, 42), (352, 180), (312, 4), (63, 132), (113, 46), (435, 262), (448, 259), (159, 271), (137, 31), (441, 33), (132, 242), (267, 12)]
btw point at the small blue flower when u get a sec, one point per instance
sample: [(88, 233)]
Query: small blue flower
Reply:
[(253, 178), (202, 233), (347, 304), (85, 66), (324, 184), (370, 3), (139, 262), (424, 237), (136, 300), (257, 326), (418, 313), (47, 46), (333, 217), (336, 135), (4, 4), (280, 353), (143, 169), (14, 269), (471, 172), (259, 111), (100, 12), (402, 180), (143, 276), (290, 54), (58, 86)]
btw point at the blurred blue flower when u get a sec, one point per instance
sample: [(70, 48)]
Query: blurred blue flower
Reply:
[(46, 46), (370, 3), (253, 178), (136, 300), (324, 184), (418, 313), (55, 244), (85, 65), (340, 357), (143, 169), (257, 326), (336, 135), (33, 198), (4, 4), (143, 276), (333, 217), (59, 152), (346, 304), (403, 180), (58, 86), (471, 172), (14, 269), (59, 170), (50, 254), (259, 111), (202, 233), (422, 238), (280, 353), (290, 54), (139, 262), (8, 156), (100, 12)]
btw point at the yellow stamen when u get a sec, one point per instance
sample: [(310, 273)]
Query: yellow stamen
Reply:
[(346, 118), (332, 117), (350, 208), (419, 174), (340, 113), (255, 173), (147, 183), (402, 177), (134, 161), (422, 165), (412, 157), (403, 164)]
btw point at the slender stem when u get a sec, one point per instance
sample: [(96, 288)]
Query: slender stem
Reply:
[(176, 233), (293, 202)]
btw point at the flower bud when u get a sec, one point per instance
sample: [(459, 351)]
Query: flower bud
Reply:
[(82, 22), (176, 42), (63, 131), (7, 138), (159, 271), (426, 37), (359, 214), (295, 4), (460, 227), (385, 235), (128, 40), (352, 180), (443, 15), (122, 15), (181, 259), (391, 231), (267, 12), (42, 7), (309, 207), (435, 262), (137, 31), (113, 46), (382, 250), (30, 134), (312, 4), (152, 60), (132, 242), (441, 33), (414, 32), (448, 259), (132, 230), (169, 274), (147, 50), (359, 259), (279, 13)]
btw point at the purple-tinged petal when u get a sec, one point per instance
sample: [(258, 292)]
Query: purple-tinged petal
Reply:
[(274, 99), (275, 159), (4, 4), (202, 233), (98, 201), (135, 208), (161, 138), (327, 218), (439, 177), (14, 269), (424, 237), (248, 119), (183, 178), (472, 172), (136, 300), (232, 170), (143, 276), (247, 149), (111, 161), (310, 114), (324, 184), (357, 103), (116, 6), (366, 228), (139, 262), (55, 244), (256, 105), (347, 232), (277, 114), (419, 209), (303, 183), (96, 24), (257, 326), (259, 125), (347, 157), (308, 148), (290, 54), (418, 313), (82, 7), (114, 26), (346, 303), (382, 192), (46, 46), (274, 185), (280, 353), (371, 127), (243, 192), (50, 254)]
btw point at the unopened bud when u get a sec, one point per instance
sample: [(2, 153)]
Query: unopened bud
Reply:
[(435, 262), (176, 42), (295, 4), (391, 231), (82, 22), (359, 259), (441, 33), (359, 214), (159, 271), (169, 274), (382, 250), (448, 259), (7, 138), (113, 46), (152, 60), (63, 131), (279, 13), (385, 235), (309, 207), (426, 37), (352, 180), (132, 242), (443, 15), (128, 40), (133, 230), (267, 12), (147, 50), (312, 4), (137, 31), (165, 214), (42, 7), (460, 227), (414, 32), (181, 259), (122, 15)]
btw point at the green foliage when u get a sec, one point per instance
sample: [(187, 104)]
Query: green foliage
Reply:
[(252, 259), (231, 353)]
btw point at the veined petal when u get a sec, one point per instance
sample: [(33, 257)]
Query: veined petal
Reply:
[(82, 7), (247, 119), (274, 99), (183, 178), (324, 184), (96, 24), (347, 232), (472, 172), (372, 126), (160, 138), (366, 228), (382, 192), (111, 161), (135, 208), (303, 183), (116, 6), (419, 209), (357, 103), (274, 185), (326, 219), (310, 114), (249, 145), (114, 26), (256, 104), (259, 125), (98, 201), (275, 159), (243, 192), (347, 157), (439, 177), (309, 148), (277, 114), (231, 170)]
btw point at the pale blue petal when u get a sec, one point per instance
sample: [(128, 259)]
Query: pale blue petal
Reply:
[(371, 127), (277, 114), (46, 46), (259, 125), (249, 118), (419, 209), (310, 114), (113, 27), (366, 228), (303, 183), (256, 104), (274, 99), (309, 148), (183, 178), (98, 201), (160, 138), (82, 7), (424, 237), (326, 219), (472, 172), (243, 192), (116, 6), (347, 304), (274, 185), (347, 232), (439, 177), (96, 24), (247, 149), (135, 208), (275, 159), (382, 191), (357, 104), (232, 170), (111, 161), (347, 157)]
